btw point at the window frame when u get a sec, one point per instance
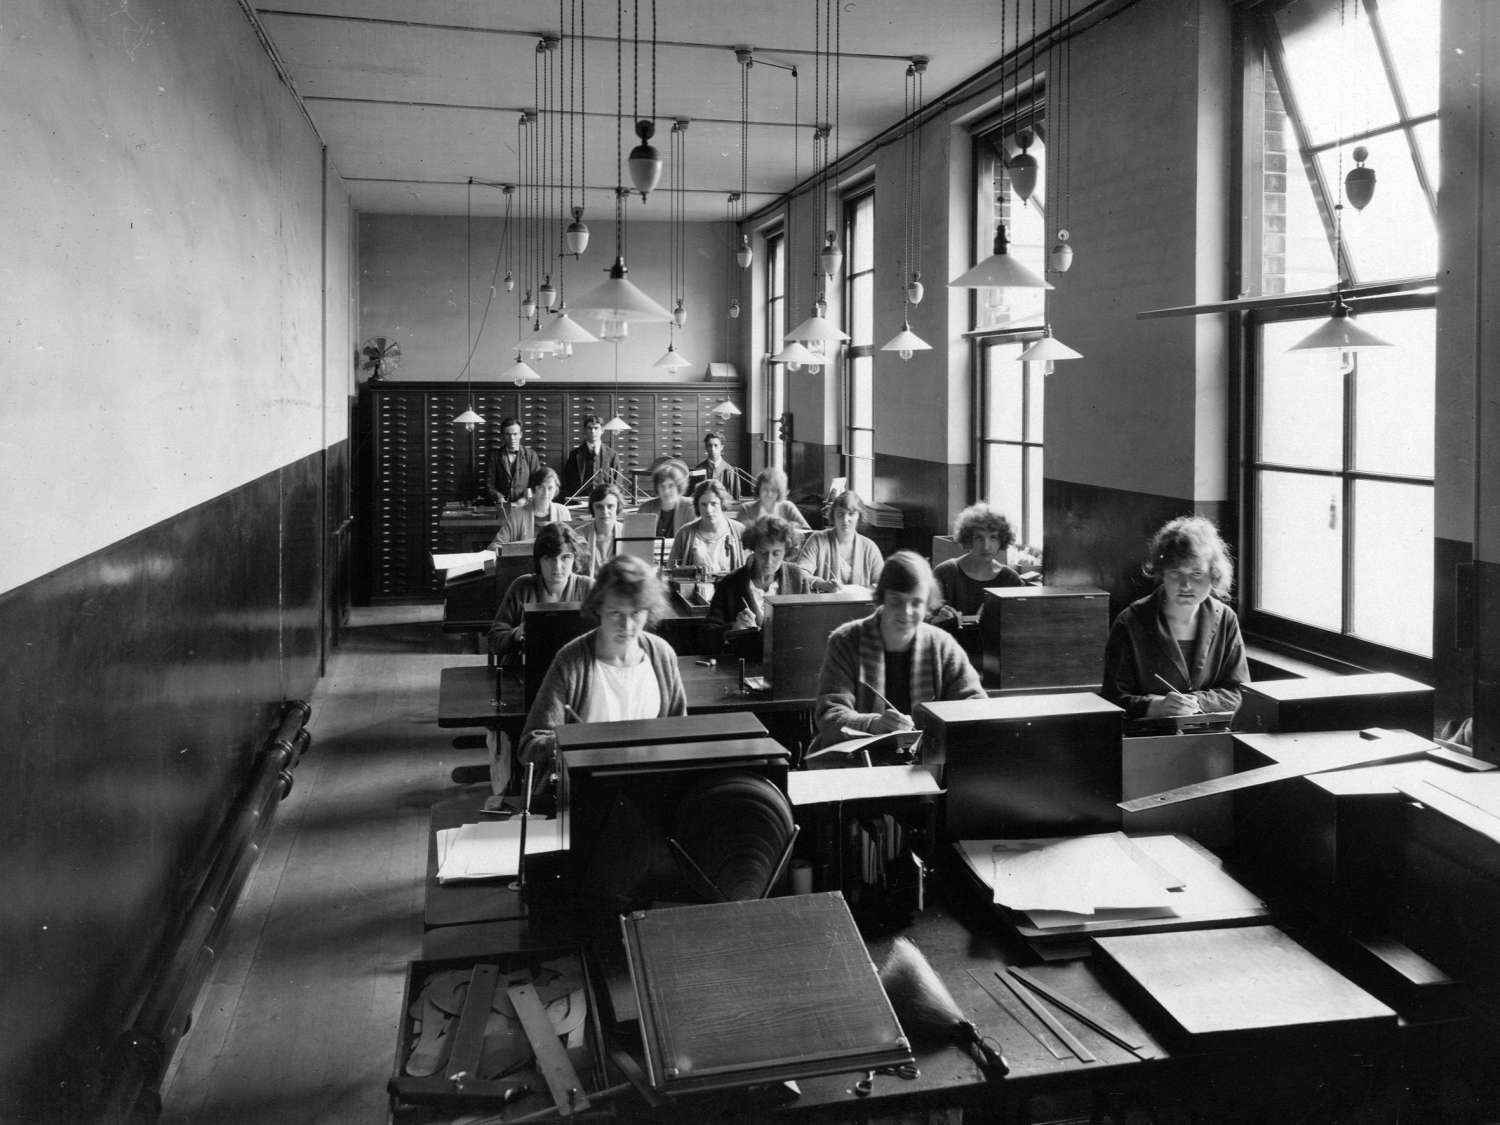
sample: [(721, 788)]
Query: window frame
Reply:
[(774, 326), (857, 371)]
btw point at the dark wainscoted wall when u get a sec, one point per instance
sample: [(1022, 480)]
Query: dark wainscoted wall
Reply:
[(1487, 660), (921, 489), (1453, 628), (1097, 536), (140, 682)]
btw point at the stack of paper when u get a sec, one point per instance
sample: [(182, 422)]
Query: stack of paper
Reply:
[(491, 849), (467, 562), (1090, 884)]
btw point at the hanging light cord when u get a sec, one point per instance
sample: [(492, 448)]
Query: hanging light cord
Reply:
[(500, 256), (744, 142)]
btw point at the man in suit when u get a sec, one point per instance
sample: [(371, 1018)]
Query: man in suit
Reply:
[(714, 465), (511, 465), (591, 463)]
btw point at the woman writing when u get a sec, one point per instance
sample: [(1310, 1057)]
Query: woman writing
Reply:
[(878, 669), (520, 522), (614, 672), (770, 500), (671, 508), (984, 534), (597, 542), (712, 541), (740, 599), (1178, 651), (839, 553), (552, 580)]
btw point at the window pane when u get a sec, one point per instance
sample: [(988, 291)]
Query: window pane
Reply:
[(862, 309), (1036, 381), (1335, 72), (1031, 534), (1396, 235), (1427, 145), (861, 443), (1025, 228), (1003, 486), (1392, 565), (1296, 246), (1301, 401), (1002, 401), (861, 251), (1300, 548), (862, 477), (861, 391), (1394, 395), (1411, 33)]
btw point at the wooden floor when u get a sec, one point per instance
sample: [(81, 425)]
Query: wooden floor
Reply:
[(298, 1022)]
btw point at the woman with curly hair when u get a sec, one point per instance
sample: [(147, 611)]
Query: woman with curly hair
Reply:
[(711, 541), (984, 534), (740, 598), (1178, 650)]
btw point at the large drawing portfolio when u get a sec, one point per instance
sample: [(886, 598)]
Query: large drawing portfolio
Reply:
[(740, 993)]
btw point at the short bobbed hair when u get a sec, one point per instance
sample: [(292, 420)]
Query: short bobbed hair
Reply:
[(713, 486), (907, 572), (773, 476), (553, 540), (601, 491), (627, 577), (772, 529), (849, 501), (541, 476), (980, 519), (669, 470), (1187, 538)]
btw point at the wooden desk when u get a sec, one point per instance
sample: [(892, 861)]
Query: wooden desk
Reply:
[(471, 602), (478, 900)]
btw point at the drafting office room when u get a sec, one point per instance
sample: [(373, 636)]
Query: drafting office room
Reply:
[(846, 561)]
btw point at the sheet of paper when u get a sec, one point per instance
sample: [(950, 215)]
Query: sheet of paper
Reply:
[(491, 849), (1079, 875), (468, 562)]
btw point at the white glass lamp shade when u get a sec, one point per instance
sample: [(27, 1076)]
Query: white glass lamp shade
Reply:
[(817, 329), (915, 290), (510, 282), (528, 306), (1339, 333), (726, 409), (797, 356), (547, 295), (830, 258), (1048, 349), (469, 418), (999, 271), (618, 299), (673, 359), (645, 160), (563, 329), (744, 255), (615, 425), (576, 234), (520, 373), (905, 342)]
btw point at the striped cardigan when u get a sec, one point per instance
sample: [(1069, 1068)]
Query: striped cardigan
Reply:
[(939, 670)]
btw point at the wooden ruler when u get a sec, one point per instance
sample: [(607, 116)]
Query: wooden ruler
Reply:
[(551, 1060)]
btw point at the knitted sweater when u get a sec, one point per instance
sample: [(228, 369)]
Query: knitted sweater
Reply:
[(524, 591), (819, 556)]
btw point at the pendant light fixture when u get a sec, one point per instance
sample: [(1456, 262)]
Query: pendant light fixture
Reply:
[(1060, 257), (1024, 168), (470, 417), (676, 243), (616, 302), (645, 160), (576, 233), (906, 342), (744, 254), (616, 424), (999, 270), (1047, 350), (520, 373), (827, 34)]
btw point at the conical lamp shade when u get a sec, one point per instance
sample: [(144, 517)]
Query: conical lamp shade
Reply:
[(616, 424), (520, 373), (726, 409), (563, 329), (1047, 349), (906, 341), (817, 329), (796, 354), (469, 418), (618, 299), (1339, 333), (1000, 271), (673, 359)]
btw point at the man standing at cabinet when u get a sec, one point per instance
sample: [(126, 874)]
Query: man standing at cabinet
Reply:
[(511, 465), (591, 463)]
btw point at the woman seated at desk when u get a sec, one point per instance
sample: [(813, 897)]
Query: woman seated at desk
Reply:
[(597, 540), (839, 553), (1178, 650), (614, 672), (519, 522), (878, 669), (770, 500), (712, 541), (552, 580), (670, 507), (984, 534), (740, 598)]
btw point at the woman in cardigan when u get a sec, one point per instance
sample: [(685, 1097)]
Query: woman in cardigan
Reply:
[(878, 669), (711, 541), (520, 522), (1182, 633), (614, 672), (670, 507), (740, 598), (770, 500), (984, 534), (552, 580), (839, 553), (597, 540)]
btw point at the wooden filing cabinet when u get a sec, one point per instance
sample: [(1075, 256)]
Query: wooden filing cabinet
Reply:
[(1043, 638), (795, 636), (1373, 699)]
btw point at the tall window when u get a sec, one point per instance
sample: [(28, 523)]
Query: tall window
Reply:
[(1010, 395), (1339, 485), (859, 322), (775, 322)]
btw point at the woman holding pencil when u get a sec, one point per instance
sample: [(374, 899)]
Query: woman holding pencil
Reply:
[(1178, 651), (878, 669)]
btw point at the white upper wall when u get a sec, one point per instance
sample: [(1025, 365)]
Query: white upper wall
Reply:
[(162, 277)]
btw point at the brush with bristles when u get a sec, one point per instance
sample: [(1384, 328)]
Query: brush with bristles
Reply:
[(927, 1009)]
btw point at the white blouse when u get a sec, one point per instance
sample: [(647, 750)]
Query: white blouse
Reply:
[(620, 693)]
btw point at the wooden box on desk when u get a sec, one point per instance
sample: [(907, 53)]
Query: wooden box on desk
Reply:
[(1026, 765), (549, 626), (1371, 699), (796, 633), (1043, 638)]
